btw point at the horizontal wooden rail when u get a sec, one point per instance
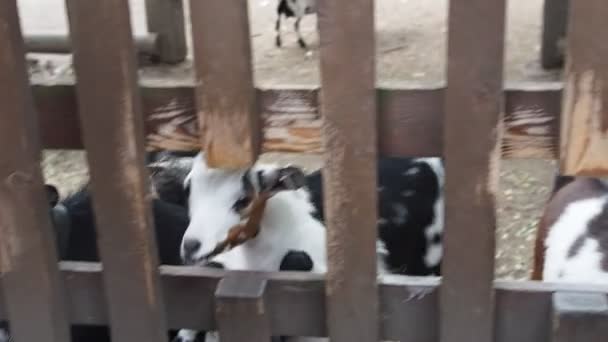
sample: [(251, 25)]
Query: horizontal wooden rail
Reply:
[(410, 118), (61, 43), (296, 302)]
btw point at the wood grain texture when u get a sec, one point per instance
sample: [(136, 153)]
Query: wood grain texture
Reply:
[(292, 120), (166, 19), (227, 111), (349, 176), (296, 302), (472, 136), (240, 308), (415, 300), (112, 129), (584, 138), (32, 288), (580, 317)]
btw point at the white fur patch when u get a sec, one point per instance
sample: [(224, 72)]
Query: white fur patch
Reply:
[(584, 266), (434, 252)]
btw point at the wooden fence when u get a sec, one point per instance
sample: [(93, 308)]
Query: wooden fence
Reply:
[(468, 122)]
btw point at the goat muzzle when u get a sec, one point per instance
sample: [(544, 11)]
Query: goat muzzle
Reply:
[(244, 231)]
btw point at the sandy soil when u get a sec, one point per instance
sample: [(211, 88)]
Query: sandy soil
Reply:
[(411, 46)]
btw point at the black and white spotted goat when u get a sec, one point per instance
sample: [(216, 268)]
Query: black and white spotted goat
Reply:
[(296, 9), (572, 237), (409, 228), (74, 226)]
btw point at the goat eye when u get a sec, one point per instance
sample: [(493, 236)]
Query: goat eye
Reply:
[(241, 203)]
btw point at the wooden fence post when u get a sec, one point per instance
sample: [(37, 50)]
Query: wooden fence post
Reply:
[(33, 292), (112, 129), (166, 19), (584, 125), (226, 98), (472, 137), (241, 313), (580, 317), (348, 107)]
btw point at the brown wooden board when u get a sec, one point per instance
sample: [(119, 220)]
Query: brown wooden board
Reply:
[(349, 176), (60, 43), (472, 136), (240, 308), (584, 141), (523, 311), (296, 302), (31, 286), (292, 122), (580, 317), (227, 112), (415, 300), (166, 19), (112, 127)]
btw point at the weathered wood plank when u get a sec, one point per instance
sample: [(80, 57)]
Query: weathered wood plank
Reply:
[(472, 136), (415, 302), (61, 43), (166, 19), (32, 288), (523, 312), (227, 112), (296, 302), (584, 138), (580, 317), (292, 122), (349, 176), (112, 127), (240, 308)]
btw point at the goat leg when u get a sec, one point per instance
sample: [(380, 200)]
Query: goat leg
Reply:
[(277, 29), (296, 27)]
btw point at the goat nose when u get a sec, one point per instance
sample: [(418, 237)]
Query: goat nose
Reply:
[(191, 246)]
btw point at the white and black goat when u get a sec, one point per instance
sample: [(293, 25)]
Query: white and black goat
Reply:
[(572, 237), (74, 224), (410, 223), (296, 9)]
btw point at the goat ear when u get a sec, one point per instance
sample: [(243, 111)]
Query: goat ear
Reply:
[(287, 178), (52, 194)]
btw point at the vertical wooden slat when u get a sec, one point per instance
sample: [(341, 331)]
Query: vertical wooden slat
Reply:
[(230, 125), (112, 127), (473, 107), (166, 18), (348, 106), (584, 125), (580, 317), (32, 289), (240, 310)]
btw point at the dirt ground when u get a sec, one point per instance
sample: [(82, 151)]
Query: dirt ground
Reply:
[(411, 47)]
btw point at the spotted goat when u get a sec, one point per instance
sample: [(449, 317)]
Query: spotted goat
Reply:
[(572, 237), (410, 223), (296, 9)]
